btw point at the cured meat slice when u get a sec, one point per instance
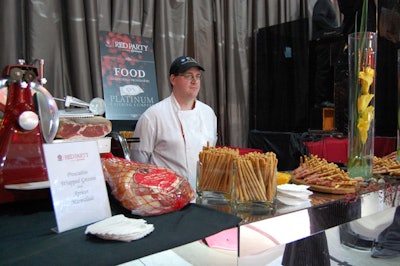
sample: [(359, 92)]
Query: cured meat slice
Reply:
[(83, 127), (146, 189)]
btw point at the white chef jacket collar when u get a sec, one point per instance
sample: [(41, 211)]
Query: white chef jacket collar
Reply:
[(176, 105)]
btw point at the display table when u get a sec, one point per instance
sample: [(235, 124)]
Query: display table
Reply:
[(27, 237), (290, 223), (260, 231)]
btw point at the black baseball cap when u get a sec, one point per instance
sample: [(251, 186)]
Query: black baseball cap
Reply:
[(183, 63)]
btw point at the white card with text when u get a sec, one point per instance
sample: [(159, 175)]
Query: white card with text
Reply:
[(77, 184)]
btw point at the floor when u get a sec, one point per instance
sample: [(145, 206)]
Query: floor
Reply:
[(197, 253)]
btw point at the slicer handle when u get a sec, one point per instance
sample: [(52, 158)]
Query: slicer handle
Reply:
[(28, 120)]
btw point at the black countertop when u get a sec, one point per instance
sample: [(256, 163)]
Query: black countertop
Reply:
[(26, 236)]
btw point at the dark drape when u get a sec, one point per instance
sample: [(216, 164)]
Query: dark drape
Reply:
[(281, 83), (287, 146), (388, 67)]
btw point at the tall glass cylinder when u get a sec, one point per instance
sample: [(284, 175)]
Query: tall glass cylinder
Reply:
[(362, 73)]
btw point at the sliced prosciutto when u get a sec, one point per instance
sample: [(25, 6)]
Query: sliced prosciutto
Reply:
[(83, 127)]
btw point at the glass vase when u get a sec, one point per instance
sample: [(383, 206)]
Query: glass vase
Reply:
[(362, 73)]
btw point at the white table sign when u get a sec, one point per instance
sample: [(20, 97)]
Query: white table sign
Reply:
[(77, 183)]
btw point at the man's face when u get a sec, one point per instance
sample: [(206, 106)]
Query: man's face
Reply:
[(187, 85)]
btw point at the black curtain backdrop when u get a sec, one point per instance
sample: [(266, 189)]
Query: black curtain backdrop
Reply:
[(282, 86), (387, 80), (386, 93), (287, 146), (281, 78)]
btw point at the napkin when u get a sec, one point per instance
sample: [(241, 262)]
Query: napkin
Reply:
[(121, 228), (292, 194)]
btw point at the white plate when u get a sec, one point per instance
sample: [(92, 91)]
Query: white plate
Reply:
[(292, 188), (291, 201), (29, 186), (296, 195)]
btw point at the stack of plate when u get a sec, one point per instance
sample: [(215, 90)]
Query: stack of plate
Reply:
[(120, 228), (292, 194)]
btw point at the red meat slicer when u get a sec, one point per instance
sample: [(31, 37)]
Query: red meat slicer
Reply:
[(30, 118)]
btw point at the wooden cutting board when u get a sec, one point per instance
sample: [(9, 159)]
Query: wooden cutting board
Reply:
[(325, 189)]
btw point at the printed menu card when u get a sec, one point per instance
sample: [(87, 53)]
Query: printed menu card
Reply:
[(77, 183)]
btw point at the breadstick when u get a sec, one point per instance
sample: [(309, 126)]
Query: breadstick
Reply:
[(272, 180), (254, 185), (241, 186)]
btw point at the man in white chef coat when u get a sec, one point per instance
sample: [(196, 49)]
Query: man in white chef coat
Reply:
[(173, 132)]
